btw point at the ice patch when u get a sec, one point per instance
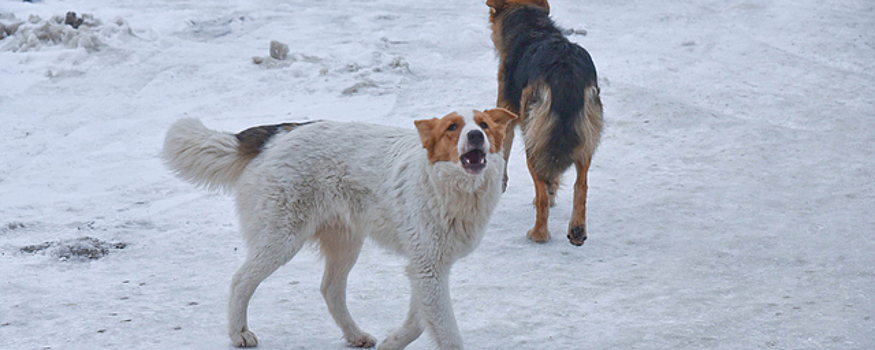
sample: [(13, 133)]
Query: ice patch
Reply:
[(70, 31)]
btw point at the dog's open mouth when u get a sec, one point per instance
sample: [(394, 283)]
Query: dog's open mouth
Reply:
[(474, 161)]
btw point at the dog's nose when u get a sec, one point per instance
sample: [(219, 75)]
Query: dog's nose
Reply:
[(475, 138)]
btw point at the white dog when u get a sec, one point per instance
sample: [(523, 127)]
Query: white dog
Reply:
[(427, 196)]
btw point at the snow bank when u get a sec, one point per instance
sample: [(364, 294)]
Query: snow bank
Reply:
[(69, 31)]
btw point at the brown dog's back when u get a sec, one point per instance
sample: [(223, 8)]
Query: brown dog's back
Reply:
[(551, 82)]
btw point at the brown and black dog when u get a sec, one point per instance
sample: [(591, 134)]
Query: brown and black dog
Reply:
[(551, 84)]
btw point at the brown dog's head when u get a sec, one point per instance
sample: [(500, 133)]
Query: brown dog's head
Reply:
[(496, 7), (465, 137), (497, 10)]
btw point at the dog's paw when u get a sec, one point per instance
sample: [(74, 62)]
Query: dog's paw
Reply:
[(391, 343), (244, 339), (577, 235), (540, 236), (364, 340)]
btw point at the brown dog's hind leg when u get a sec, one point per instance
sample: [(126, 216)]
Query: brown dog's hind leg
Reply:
[(508, 142), (552, 189), (577, 226), (539, 233)]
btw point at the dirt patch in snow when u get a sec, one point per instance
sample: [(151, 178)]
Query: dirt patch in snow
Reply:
[(83, 248)]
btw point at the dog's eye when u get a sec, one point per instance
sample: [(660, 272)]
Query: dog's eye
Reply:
[(453, 127), (484, 126)]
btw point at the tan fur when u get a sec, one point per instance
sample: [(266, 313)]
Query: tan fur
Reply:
[(536, 123), (591, 128), (438, 140), (496, 121), (593, 123), (539, 232), (496, 6)]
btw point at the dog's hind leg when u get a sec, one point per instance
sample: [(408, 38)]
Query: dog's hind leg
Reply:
[(341, 249), (590, 130), (262, 259), (552, 189), (507, 144), (577, 226), (539, 233)]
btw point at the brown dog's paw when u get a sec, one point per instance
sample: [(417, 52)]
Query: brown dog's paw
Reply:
[(540, 236), (577, 235)]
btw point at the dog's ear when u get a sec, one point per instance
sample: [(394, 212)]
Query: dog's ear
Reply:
[(498, 120), (499, 5), (426, 134), (542, 4), (440, 136), (495, 4), (501, 115)]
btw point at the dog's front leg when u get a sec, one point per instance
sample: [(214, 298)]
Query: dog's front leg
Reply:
[(437, 308), (410, 331), (431, 288)]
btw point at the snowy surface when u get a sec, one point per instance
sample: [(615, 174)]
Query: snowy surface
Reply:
[(731, 203)]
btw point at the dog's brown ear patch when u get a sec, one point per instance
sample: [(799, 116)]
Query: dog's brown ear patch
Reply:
[(440, 137), (495, 4), (542, 4), (496, 121), (500, 5), (501, 115)]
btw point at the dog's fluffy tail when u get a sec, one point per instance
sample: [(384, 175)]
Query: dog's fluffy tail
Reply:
[(564, 125), (202, 156)]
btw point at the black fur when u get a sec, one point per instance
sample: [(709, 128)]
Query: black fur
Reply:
[(253, 139), (536, 53)]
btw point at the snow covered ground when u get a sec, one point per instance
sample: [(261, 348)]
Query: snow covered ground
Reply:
[(731, 203)]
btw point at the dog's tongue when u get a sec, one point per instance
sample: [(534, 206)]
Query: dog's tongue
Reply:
[(474, 160)]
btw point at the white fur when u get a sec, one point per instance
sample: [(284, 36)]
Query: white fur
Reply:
[(202, 156), (337, 184)]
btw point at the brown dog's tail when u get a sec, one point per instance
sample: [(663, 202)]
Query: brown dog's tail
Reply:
[(556, 135)]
